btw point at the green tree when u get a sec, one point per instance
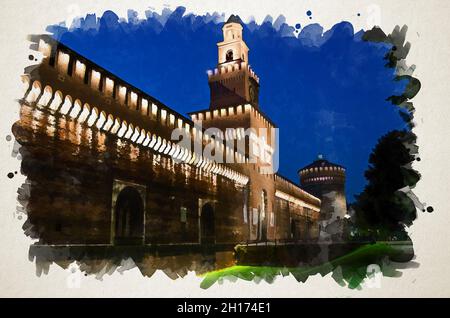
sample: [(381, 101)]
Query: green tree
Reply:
[(381, 211)]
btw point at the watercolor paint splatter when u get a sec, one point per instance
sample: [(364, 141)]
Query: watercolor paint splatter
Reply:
[(112, 185)]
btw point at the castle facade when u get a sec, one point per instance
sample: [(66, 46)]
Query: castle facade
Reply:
[(103, 168)]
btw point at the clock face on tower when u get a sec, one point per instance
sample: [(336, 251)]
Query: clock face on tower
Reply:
[(253, 93)]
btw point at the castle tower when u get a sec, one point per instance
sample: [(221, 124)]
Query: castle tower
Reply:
[(326, 181), (233, 82)]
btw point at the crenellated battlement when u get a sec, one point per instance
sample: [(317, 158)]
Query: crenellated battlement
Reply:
[(232, 67), (236, 110), (113, 106), (323, 174), (290, 191)]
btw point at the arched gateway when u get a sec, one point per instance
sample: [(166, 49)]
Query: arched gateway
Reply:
[(129, 217)]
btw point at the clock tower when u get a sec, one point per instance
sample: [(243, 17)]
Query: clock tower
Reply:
[(233, 82)]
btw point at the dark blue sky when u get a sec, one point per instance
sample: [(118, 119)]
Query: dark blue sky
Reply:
[(326, 90)]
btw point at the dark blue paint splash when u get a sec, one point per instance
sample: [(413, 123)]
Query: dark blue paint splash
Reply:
[(326, 91)]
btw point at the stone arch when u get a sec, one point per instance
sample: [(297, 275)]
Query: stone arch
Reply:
[(67, 105), (123, 128), (46, 96), (129, 131), (109, 123), (101, 120), (57, 101), (76, 109), (35, 92), (147, 139), (84, 113), (135, 134), (129, 217), (116, 126), (93, 116), (229, 56)]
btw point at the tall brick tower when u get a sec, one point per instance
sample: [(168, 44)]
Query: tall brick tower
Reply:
[(326, 180), (233, 82)]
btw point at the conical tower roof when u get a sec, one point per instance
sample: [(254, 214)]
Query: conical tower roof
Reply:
[(321, 162), (234, 19)]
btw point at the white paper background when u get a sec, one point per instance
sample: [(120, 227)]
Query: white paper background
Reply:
[(428, 23)]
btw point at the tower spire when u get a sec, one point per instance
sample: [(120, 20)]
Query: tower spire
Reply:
[(233, 82)]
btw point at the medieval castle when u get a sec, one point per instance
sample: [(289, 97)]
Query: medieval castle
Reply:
[(103, 169)]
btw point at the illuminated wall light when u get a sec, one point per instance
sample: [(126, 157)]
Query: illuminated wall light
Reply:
[(185, 156), (193, 159), (76, 109), (162, 146), (157, 144), (180, 123), (215, 113), (122, 93), (44, 48), (174, 150), (129, 131), (144, 106), (148, 138), (200, 162), (109, 123), (80, 70), (46, 96), (92, 117), (123, 129), (133, 99), (101, 119), (136, 134), (84, 113), (153, 141), (141, 137), (198, 158), (163, 116), (168, 147), (154, 110), (25, 83), (189, 156), (180, 153), (109, 86), (66, 105), (95, 80), (115, 127), (63, 62), (171, 120), (34, 92)]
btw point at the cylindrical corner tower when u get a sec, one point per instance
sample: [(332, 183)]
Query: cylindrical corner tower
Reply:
[(326, 181)]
